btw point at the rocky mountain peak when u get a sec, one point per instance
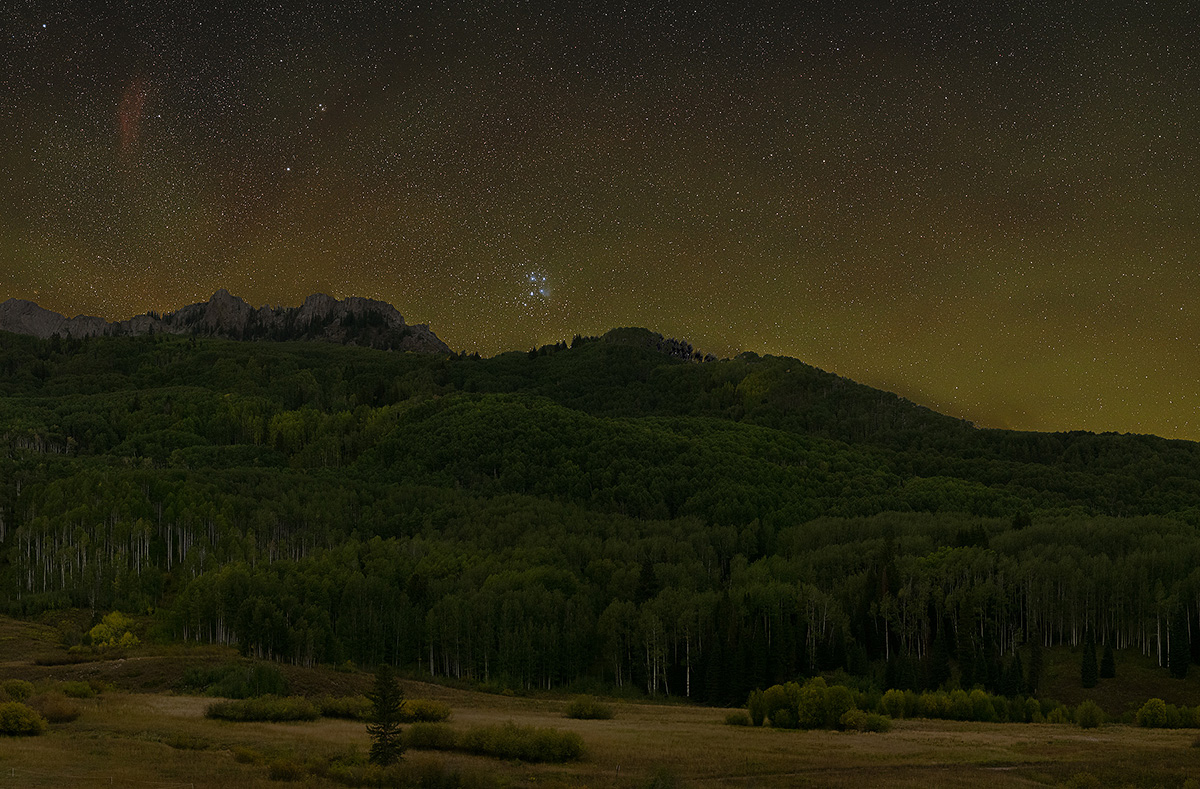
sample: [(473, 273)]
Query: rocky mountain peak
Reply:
[(350, 321)]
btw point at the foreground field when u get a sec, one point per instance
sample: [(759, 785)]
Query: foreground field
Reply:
[(138, 733), (130, 739)]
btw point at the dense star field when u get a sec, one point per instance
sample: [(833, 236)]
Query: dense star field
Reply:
[(988, 210)]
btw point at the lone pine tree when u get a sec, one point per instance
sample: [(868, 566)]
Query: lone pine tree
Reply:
[(1088, 670), (384, 728)]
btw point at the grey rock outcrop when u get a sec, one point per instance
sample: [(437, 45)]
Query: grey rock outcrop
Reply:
[(350, 321)]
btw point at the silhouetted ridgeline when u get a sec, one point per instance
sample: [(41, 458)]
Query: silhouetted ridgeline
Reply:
[(600, 510)]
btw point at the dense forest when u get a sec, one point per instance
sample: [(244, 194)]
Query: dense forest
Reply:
[(611, 510)]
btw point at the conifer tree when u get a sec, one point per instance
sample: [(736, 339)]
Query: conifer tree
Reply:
[(1088, 670), (1108, 663), (384, 728), (1179, 655)]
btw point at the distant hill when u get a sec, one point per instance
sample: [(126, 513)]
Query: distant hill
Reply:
[(614, 509), (349, 321)]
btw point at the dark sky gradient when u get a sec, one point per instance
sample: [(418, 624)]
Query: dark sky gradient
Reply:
[(992, 211)]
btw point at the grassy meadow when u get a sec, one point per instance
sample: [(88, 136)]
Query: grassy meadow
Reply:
[(140, 731)]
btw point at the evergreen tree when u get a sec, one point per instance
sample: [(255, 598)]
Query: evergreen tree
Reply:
[(1088, 671), (1037, 664), (1108, 663), (1179, 654), (384, 728)]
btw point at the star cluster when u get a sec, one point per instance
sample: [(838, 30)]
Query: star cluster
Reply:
[(989, 208)]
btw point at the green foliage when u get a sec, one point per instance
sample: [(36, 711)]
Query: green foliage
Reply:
[(527, 743), (424, 711), (384, 727), (588, 708), (16, 719), (16, 689), (324, 504), (756, 707), (1153, 714), (350, 707), (507, 741), (430, 737), (113, 631), (236, 680), (1089, 715), (77, 690), (275, 709), (738, 718), (857, 720)]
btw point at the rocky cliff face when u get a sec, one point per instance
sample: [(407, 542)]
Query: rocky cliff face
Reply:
[(350, 321)]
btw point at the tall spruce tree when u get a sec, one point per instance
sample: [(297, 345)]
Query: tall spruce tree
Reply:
[(1089, 672), (384, 728), (1037, 664), (1108, 663), (1179, 653)]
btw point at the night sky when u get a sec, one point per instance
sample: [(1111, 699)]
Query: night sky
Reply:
[(993, 211)]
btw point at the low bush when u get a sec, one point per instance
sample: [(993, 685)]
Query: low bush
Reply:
[(1088, 715), (55, 707), (275, 709), (18, 720), (588, 708), (77, 690), (738, 718), (429, 737), (17, 689), (527, 743), (424, 711), (857, 720), (350, 707)]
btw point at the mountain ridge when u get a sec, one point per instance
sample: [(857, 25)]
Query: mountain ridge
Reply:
[(353, 320)]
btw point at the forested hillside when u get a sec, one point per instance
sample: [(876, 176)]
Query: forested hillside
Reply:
[(612, 511)]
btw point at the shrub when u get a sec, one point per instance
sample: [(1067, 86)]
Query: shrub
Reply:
[(813, 707), (1059, 715), (892, 703), (264, 708), (16, 719), (981, 707), (838, 701), (737, 718), (113, 631), (960, 706), (17, 689), (1153, 714), (350, 707), (529, 744), (424, 711), (857, 720), (77, 690), (784, 719), (1089, 715), (933, 705), (55, 707), (429, 737), (588, 708), (757, 708)]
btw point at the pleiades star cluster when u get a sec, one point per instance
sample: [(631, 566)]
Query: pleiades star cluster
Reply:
[(990, 208)]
